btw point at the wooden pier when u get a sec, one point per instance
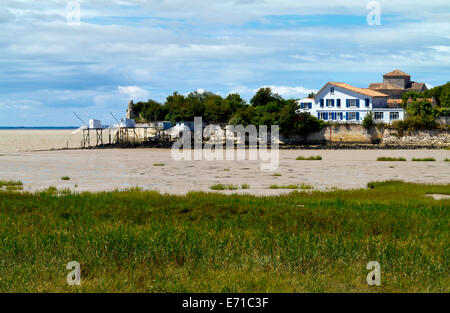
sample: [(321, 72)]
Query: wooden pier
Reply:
[(133, 136)]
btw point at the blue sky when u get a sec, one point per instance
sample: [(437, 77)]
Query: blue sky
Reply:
[(136, 49)]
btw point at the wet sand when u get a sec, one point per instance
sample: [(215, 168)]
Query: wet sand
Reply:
[(102, 170)]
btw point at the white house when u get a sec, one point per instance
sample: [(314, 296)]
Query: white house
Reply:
[(341, 102)]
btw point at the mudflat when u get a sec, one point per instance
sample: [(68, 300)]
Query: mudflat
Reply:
[(155, 169)]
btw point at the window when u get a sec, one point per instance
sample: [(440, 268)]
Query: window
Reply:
[(352, 102), (352, 116), (306, 106), (394, 116), (378, 116), (323, 116), (332, 90), (367, 102), (330, 102)]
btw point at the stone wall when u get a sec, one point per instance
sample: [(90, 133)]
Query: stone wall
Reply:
[(425, 138), (354, 133)]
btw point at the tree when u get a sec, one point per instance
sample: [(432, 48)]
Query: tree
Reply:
[(263, 96), (368, 121)]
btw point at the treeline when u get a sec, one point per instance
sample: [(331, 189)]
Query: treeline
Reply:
[(265, 108), (421, 113)]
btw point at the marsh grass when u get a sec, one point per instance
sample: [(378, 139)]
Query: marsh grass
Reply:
[(224, 187), (142, 241), (159, 164), (447, 160), (65, 178), (311, 158), (302, 186), (4, 183), (423, 160), (245, 186), (391, 159), (276, 175)]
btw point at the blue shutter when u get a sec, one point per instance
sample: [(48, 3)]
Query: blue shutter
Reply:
[(321, 102), (367, 102), (346, 116), (357, 103), (357, 116), (302, 106), (332, 103), (338, 102), (318, 115), (325, 116), (347, 103)]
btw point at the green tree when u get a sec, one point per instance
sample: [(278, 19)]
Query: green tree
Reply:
[(263, 96), (368, 121)]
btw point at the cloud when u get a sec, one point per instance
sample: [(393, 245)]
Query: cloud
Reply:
[(152, 48), (134, 92)]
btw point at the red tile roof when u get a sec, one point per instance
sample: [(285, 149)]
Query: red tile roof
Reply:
[(397, 73)]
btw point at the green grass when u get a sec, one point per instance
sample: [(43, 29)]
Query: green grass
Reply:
[(245, 186), (4, 183), (276, 175), (391, 159), (302, 186), (14, 188), (311, 158), (423, 160), (142, 241), (224, 187), (159, 164), (65, 178)]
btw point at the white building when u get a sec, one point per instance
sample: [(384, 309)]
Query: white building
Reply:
[(341, 102)]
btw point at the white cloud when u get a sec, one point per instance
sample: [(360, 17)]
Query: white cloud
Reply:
[(134, 92)]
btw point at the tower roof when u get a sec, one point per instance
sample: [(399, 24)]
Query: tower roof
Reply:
[(396, 73)]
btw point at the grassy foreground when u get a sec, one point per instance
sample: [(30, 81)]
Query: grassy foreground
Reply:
[(136, 241)]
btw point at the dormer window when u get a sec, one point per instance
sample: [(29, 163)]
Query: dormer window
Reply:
[(332, 90)]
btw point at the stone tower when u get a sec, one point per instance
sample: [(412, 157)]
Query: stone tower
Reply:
[(130, 111)]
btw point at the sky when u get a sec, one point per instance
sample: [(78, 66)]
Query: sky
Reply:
[(52, 65)]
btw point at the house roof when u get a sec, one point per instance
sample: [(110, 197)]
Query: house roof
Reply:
[(416, 86), (394, 103), (384, 86), (397, 73), (363, 91)]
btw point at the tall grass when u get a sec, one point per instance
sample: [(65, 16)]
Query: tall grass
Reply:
[(142, 241)]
